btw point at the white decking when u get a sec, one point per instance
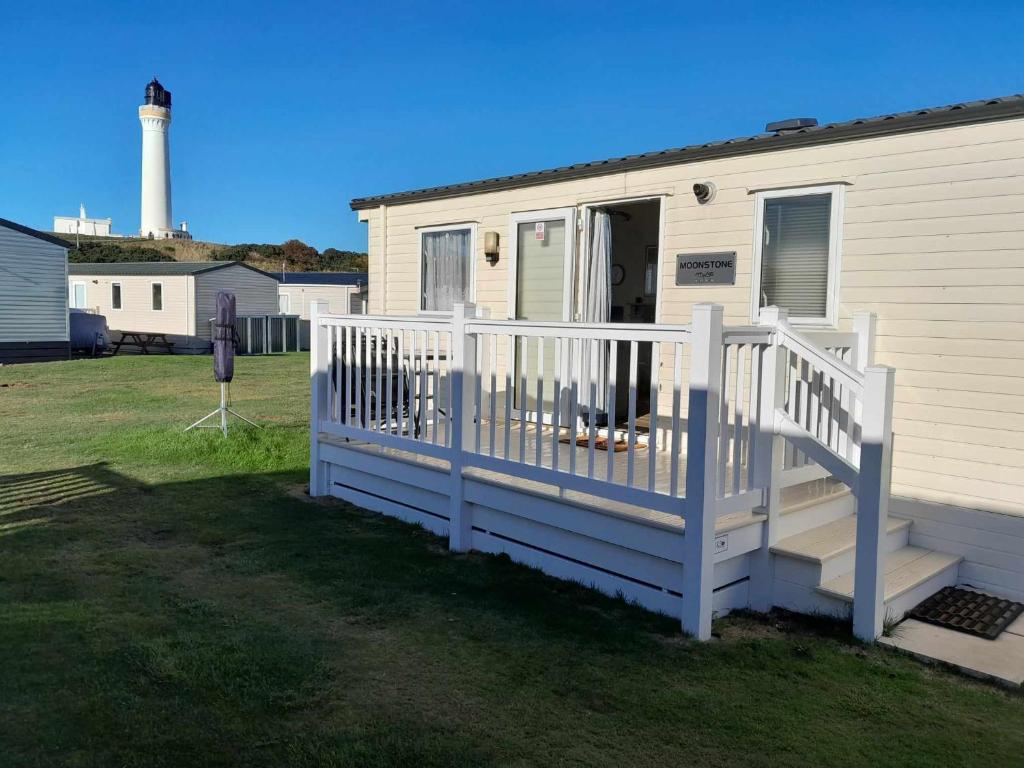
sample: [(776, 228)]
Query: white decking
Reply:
[(418, 418), (523, 446)]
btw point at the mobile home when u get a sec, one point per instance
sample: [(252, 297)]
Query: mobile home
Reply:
[(341, 292), (708, 377), (344, 292), (33, 295), (176, 298)]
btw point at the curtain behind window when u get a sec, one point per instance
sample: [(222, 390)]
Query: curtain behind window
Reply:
[(794, 254), (446, 269)]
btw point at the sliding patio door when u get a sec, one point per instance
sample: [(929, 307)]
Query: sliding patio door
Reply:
[(541, 290)]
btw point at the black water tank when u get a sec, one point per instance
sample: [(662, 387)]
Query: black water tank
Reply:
[(157, 95)]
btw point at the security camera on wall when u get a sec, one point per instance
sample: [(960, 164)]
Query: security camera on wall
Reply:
[(704, 191)]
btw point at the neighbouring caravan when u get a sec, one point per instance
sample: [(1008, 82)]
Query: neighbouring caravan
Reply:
[(344, 293), (33, 295), (828, 250), (173, 297)]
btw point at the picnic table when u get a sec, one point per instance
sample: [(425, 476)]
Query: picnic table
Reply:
[(144, 341)]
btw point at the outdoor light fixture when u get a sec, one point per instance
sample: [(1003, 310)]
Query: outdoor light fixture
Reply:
[(491, 247), (704, 191)]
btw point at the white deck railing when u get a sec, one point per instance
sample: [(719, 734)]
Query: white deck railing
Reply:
[(697, 420)]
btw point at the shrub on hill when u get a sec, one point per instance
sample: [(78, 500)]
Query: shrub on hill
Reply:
[(109, 252)]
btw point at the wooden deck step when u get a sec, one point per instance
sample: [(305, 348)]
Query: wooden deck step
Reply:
[(830, 540), (904, 569)]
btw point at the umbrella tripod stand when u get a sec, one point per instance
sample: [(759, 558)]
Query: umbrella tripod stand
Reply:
[(221, 413)]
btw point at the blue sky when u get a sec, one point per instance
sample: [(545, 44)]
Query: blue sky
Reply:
[(285, 111)]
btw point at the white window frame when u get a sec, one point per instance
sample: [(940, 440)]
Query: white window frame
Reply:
[(471, 299), (287, 303), (529, 217), (835, 242), (162, 302), (85, 294), (121, 292)]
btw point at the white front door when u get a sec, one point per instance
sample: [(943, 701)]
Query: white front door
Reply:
[(541, 279)]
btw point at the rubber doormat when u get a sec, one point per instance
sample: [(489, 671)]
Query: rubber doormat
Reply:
[(965, 611)]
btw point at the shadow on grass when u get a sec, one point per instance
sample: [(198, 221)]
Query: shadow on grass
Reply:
[(231, 620)]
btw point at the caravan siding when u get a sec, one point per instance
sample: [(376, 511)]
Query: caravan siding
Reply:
[(255, 294), (33, 298), (932, 242), (136, 312)]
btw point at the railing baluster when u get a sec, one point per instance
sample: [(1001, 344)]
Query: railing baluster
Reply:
[(631, 427), (494, 392), (753, 409), (524, 362), (791, 406), (436, 376), (652, 417), (613, 365), (846, 416), (723, 430), (574, 412), (677, 424), (539, 437), (413, 422), (737, 419), (592, 406), (424, 384), (350, 374), (556, 404), (510, 364), (357, 371), (379, 390), (480, 362)]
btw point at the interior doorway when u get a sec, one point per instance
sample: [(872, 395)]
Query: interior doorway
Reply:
[(635, 255)]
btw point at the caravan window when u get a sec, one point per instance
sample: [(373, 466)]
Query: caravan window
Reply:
[(158, 296), (78, 295), (796, 255), (115, 295), (446, 268)]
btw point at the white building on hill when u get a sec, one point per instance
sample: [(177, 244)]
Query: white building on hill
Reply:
[(81, 224)]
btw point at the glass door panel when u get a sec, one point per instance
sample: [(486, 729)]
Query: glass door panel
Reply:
[(543, 276)]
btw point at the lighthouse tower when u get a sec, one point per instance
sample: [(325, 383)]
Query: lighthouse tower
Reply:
[(155, 116)]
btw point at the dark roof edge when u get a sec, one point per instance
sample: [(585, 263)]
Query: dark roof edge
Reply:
[(234, 264), (36, 233), (155, 265), (887, 125)]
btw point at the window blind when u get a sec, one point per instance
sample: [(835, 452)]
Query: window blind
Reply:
[(795, 254)]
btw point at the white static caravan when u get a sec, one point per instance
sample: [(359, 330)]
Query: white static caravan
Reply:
[(33, 295), (344, 292), (774, 333), (176, 298)]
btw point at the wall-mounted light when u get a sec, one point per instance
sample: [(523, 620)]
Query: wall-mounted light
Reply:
[(491, 247)]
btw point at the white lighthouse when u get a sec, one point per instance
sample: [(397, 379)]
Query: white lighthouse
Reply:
[(155, 116)]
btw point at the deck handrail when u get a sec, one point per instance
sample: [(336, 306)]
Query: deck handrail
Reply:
[(838, 413), (751, 410)]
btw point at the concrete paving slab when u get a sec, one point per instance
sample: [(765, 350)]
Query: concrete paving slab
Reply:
[(1000, 660)]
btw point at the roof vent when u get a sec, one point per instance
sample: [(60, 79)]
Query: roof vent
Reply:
[(780, 127)]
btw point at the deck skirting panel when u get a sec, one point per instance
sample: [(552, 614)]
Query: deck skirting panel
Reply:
[(636, 558)]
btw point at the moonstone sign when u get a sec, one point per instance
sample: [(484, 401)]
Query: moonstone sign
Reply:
[(706, 268)]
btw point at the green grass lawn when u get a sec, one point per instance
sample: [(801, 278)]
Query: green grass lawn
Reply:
[(174, 600)]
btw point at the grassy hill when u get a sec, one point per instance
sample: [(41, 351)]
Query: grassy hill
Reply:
[(294, 255)]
